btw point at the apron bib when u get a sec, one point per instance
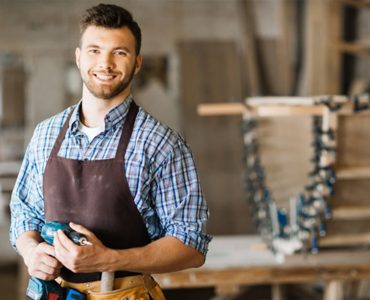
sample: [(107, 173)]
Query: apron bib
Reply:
[(95, 194)]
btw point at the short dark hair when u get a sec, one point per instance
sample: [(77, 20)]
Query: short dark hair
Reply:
[(111, 16)]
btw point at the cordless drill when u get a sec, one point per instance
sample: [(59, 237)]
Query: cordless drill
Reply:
[(50, 290)]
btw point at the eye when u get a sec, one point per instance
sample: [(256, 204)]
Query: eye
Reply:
[(93, 51), (121, 53)]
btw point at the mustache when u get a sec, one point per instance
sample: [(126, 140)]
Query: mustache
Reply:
[(108, 72)]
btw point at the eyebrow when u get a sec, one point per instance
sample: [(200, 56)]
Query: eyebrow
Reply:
[(116, 48)]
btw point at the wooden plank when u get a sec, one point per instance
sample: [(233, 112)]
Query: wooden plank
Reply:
[(350, 192), (313, 77), (351, 212), (224, 109), (285, 154), (334, 290), (354, 141), (221, 109), (216, 143), (358, 86), (12, 84), (343, 239), (298, 101), (349, 229), (252, 72), (277, 292), (263, 275), (322, 67), (284, 111), (357, 3), (333, 64), (360, 172), (285, 45), (231, 262), (361, 47)]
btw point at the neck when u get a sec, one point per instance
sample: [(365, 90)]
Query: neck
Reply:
[(94, 110)]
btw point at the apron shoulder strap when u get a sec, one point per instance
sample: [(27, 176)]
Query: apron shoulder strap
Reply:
[(60, 138), (128, 127)]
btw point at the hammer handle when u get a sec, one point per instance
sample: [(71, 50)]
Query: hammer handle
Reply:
[(107, 282)]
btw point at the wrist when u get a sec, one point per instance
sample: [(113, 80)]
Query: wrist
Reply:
[(28, 250), (26, 243), (114, 261)]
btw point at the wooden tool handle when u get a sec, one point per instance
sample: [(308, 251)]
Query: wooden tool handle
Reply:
[(107, 282)]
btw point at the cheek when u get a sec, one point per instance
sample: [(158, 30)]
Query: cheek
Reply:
[(86, 63), (84, 66)]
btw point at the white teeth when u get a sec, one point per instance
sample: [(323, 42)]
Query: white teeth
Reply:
[(104, 77)]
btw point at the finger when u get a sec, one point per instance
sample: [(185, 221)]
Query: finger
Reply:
[(81, 229), (44, 276), (46, 248), (47, 269), (41, 275), (51, 262), (61, 242)]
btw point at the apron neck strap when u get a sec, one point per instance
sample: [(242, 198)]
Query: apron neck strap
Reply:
[(128, 127), (60, 138)]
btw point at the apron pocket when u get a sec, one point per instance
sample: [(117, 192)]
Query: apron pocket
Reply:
[(137, 293)]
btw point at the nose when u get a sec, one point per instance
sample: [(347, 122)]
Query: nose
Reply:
[(106, 62)]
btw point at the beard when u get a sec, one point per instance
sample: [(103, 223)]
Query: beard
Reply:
[(108, 91)]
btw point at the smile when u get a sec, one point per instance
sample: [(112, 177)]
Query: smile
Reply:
[(104, 77)]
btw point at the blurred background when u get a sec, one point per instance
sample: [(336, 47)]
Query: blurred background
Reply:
[(195, 51)]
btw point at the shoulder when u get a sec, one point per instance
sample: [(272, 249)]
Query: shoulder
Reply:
[(155, 138), (46, 132), (54, 122)]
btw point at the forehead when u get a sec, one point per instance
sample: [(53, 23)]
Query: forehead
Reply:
[(108, 37)]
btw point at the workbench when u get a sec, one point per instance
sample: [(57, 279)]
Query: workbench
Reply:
[(237, 261)]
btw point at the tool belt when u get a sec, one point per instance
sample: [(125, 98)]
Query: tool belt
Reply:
[(140, 287)]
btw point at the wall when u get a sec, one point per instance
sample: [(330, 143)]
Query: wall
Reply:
[(45, 33)]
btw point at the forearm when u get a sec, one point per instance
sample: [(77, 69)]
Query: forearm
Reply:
[(167, 254)]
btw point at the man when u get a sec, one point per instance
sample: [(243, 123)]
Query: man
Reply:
[(118, 175)]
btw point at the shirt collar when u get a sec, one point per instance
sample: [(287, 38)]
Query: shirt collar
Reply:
[(114, 117)]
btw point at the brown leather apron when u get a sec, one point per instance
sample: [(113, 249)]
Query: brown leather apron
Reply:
[(95, 194)]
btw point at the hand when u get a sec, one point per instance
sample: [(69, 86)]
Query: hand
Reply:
[(41, 262), (81, 259)]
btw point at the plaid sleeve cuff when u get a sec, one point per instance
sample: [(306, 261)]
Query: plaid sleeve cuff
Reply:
[(190, 237)]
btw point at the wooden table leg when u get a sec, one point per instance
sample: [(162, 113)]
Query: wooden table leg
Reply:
[(334, 290), (227, 292), (277, 292)]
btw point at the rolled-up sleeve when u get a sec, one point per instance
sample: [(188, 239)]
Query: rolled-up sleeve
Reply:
[(179, 200), (26, 203)]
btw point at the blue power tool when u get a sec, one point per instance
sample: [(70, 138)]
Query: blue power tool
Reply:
[(50, 290)]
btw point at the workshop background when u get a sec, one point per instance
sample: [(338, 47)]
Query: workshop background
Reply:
[(196, 52)]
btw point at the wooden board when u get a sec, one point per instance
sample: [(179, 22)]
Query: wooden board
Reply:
[(242, 260), (354, 141), (211, 73), (352, 192), (285, 155), (12, 102)]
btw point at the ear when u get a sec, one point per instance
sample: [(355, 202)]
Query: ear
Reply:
[(139, 61), (77, 56)]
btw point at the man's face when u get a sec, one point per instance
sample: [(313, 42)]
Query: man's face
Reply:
[(107, 61)]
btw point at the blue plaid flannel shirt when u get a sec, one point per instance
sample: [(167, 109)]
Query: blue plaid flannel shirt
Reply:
[(159, 167)]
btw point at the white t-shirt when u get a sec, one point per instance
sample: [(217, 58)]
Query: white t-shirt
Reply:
[(91, 132)]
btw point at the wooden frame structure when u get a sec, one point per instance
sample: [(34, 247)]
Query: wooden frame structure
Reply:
[(308, 106)]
